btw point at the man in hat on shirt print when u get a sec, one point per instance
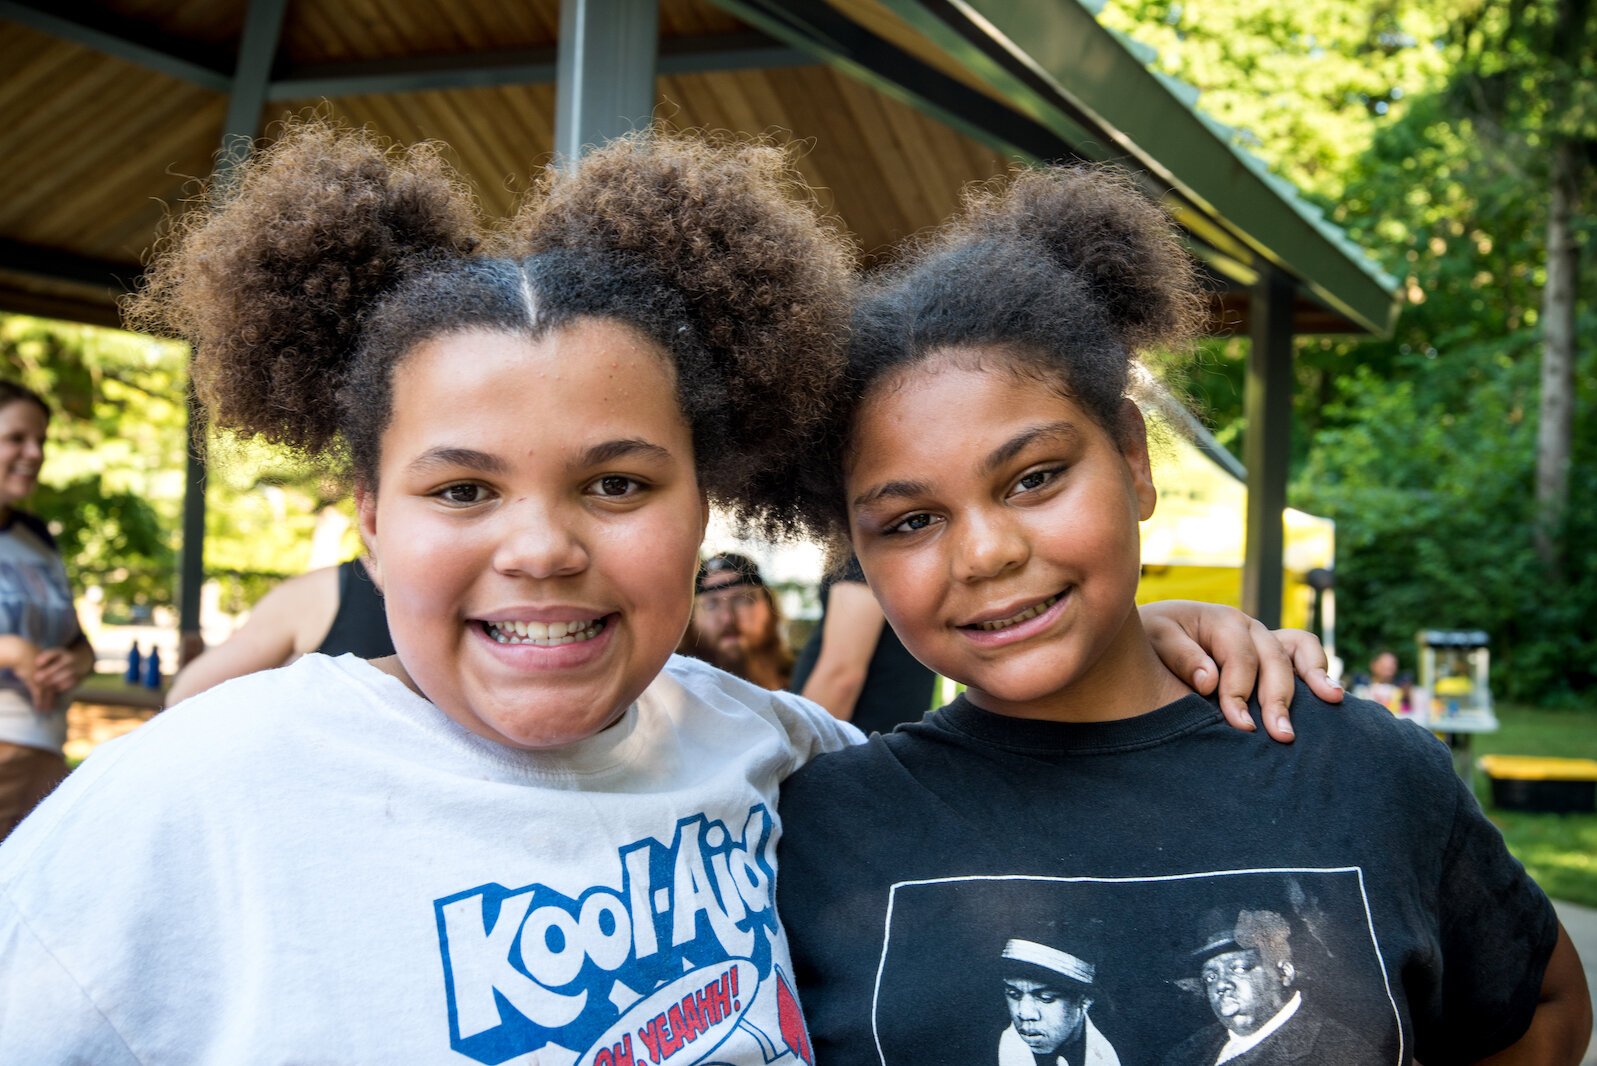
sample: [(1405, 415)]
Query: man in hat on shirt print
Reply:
[(1049, 993), (1248, 978)]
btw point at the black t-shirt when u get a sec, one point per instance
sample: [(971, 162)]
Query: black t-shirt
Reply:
[(913, 865), (361, 624), (897, 687)]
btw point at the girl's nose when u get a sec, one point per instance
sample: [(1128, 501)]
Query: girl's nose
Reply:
[(539, 542), (988, 545)]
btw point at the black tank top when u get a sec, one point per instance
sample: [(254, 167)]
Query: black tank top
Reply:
[(360, 627)]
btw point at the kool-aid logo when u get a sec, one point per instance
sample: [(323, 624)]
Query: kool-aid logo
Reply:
[(659, 969)]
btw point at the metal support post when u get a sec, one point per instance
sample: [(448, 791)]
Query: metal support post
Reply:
[(263, 25), (1267, 445), (604, 84)]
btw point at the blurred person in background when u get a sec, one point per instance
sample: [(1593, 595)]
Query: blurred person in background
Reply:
[(737, 624), (43, 651)]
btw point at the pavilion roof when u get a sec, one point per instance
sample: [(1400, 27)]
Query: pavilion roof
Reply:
[(112, 112)]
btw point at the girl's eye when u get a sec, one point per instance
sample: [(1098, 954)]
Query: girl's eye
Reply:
[(1036, 479), (913, 523), (615, 486), (462, 493)]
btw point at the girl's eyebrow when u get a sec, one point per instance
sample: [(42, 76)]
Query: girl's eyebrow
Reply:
[(470, 458), (629, 447), (893, 490), (1065, 432), (594, 455)]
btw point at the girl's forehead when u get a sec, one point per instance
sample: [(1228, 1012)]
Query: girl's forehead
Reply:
[(955, 420), (591, 378), (963, 392)]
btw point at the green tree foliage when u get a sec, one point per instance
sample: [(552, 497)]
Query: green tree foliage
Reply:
[(1422, 447), (113, 480)]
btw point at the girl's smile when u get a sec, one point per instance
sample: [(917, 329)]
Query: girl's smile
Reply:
[(534, 499), (997, 523), (1008, 626)]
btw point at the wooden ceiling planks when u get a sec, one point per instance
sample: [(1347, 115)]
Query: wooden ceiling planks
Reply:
[(169, 165), (885, 169), (687, 18), (496, 138), (330, 31), (90, 147)]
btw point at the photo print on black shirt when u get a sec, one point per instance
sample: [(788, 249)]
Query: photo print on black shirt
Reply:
[(1243, 967)]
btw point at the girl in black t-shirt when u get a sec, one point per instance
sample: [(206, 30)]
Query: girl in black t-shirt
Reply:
[(990, 471)]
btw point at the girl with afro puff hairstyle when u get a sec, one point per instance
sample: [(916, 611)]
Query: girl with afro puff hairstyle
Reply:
[(532, 834), (990, 471)]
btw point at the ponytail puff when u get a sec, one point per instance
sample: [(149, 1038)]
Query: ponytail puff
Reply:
[(766, 285), (271, 278), (1096, 223)]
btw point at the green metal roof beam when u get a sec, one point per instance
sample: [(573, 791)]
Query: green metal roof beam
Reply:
[(1072, 66)]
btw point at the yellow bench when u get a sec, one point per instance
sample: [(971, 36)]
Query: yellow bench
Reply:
[(1537, 783)]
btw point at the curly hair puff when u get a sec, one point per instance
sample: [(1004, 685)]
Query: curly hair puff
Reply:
[(270, 278), (336, 257), (1068, 271)]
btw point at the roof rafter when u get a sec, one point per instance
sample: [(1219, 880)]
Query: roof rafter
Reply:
[(133, 42), (521, 66), (64, 268)]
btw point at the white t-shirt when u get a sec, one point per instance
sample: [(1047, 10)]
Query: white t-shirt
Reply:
[(314, 864)]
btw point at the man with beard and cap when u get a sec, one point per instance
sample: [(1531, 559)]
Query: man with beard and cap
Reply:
[(1049, 993), (737, 624), (1247, 975)]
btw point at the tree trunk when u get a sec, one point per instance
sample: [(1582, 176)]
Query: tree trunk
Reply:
[(1558, 361)]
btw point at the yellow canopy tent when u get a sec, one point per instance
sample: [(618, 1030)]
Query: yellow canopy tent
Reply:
[(1192, 546)]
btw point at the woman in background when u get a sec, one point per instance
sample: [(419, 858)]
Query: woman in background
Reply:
[(43, 652)]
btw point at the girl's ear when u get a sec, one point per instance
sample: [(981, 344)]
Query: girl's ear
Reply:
[(366, 519), (1134, 449)]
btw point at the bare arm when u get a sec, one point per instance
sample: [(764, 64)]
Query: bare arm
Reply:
[(1561, 1027), (289, 621), (852, 625), (1207, 645)]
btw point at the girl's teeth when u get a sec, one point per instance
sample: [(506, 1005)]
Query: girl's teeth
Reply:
[(544, 635), (1015, 620)]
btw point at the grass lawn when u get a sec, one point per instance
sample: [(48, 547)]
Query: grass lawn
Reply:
[(1559, 850)]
